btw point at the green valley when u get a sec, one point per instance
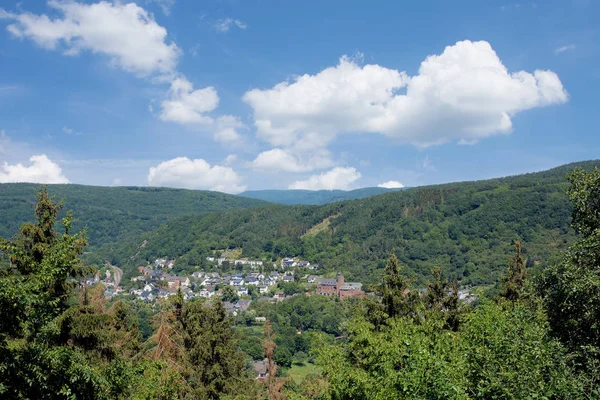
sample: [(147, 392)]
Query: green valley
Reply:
[(467, 229)]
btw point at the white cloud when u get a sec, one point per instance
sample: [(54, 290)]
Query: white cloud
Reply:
[(227, 129), (188, 106), (133, 41), (337, 178), (182, 172), (464, 93), (230, 159), (562, 49), (391, 185), (126, 33), (223, 25), (117, 182), (41, 170), (286, 160)]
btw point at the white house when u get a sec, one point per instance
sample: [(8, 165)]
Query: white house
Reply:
[(263, 289), (237, 282)]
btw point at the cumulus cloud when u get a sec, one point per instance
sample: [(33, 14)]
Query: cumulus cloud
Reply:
[(181, 172), (224, 25), (126, 33), (289, 161), (188, 106), (41, 170), (132, 40), (337, 178), (465, 93), (227, 129), (391, 185)]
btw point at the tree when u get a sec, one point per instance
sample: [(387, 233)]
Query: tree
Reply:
[(274, 385), (216, 364), (229, 294), (300, 358), (513, 283), (571, 288), (45, 350), (405, 359), (396, 297), (510, 354), (442, 297)]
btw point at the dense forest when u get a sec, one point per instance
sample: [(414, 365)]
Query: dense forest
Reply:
[(537, 339), (313, 197), (464, 228), (113, 214)]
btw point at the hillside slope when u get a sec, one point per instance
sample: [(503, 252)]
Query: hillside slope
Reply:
[(113, 214), (313, 197), (465, 228)]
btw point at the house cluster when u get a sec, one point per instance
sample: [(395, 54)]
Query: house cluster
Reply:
[(158, 284), (290, 262), (249, 263), (337, 287), (163, 263)]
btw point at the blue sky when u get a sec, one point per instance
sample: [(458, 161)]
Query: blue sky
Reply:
[(248, 94)]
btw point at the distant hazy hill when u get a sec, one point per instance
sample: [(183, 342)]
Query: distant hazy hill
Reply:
[(113, 214), (313, 197), (465, 228)]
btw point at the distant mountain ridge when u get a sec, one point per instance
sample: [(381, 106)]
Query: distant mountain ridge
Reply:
[(313, 197), (113, 214)]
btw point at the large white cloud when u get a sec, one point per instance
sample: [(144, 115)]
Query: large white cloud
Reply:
[(290, 161), (337, 178), (182, 172), (391, 185), (41, 170), (188, 106), (465, 93), (126, 33)]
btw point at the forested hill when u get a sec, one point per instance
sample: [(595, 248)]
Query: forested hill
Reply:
[(313, 197), (465, 228), (113, 214)]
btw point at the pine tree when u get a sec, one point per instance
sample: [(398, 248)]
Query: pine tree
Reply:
[(514, 281), (396, 298), (442, 297), (37, 358), (216, 364)]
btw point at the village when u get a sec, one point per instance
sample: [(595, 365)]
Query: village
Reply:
[(285, 279), (238, 289)]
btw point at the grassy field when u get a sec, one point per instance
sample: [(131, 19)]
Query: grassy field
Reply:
[(299, 372)]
